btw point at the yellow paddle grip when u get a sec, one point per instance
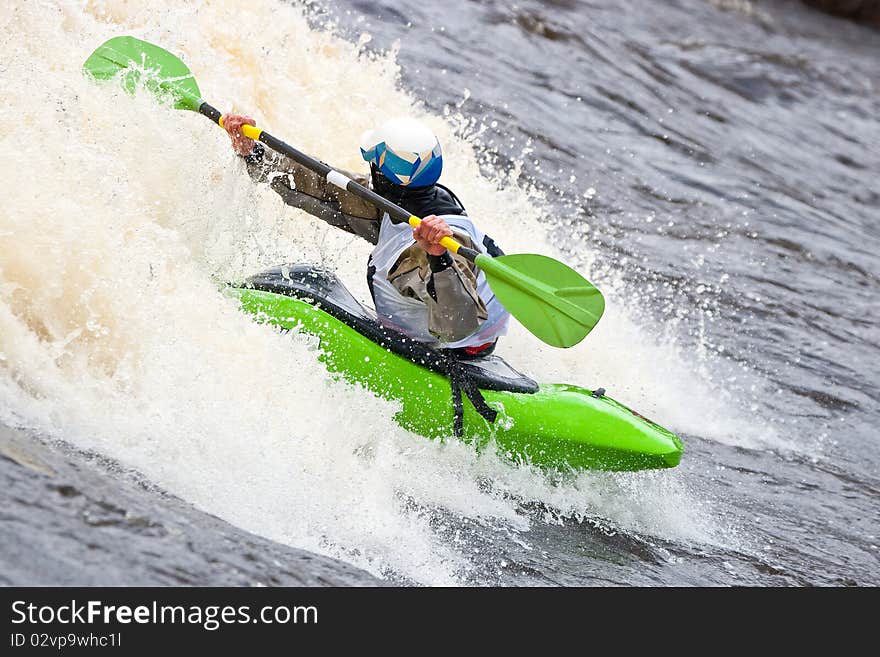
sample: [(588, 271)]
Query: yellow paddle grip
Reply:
[(251, 131), (448, 242), (247, 130)]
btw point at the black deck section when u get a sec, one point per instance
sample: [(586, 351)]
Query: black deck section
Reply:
[(324, 290)]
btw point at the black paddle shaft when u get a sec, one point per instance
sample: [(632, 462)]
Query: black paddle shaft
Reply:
[(334, 177)]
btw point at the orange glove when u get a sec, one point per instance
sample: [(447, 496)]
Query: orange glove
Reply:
[(429, 233), (232, 124)]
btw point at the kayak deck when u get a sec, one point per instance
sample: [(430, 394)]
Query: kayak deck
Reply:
[(550, 425)]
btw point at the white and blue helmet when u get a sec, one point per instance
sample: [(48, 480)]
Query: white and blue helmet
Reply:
[(405, 151)]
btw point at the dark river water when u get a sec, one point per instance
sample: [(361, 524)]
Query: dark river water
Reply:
[(723, 158)]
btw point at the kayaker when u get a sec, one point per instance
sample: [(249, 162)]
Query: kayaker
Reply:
[(418, 287)]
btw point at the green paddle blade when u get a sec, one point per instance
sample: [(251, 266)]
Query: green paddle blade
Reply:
[(138, 62), (553, 301)]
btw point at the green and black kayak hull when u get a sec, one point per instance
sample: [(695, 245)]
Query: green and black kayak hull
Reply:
[(549, 425)]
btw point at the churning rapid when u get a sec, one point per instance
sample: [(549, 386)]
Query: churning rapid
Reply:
[(122, 219)]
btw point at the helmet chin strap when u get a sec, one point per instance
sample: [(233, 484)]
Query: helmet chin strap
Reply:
[(420, 201), (383, 186)]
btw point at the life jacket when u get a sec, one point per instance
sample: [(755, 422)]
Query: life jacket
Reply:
[(408, 315)]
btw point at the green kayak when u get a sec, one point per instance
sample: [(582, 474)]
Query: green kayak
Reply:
[(482, 400)]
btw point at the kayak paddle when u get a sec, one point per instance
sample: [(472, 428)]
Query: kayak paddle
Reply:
[(553, 301)]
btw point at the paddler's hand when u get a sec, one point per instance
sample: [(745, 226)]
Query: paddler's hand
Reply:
[(232, 124), (429, 233)]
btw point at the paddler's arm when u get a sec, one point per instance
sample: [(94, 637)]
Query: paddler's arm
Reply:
[(446, 284), (302, 188)]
